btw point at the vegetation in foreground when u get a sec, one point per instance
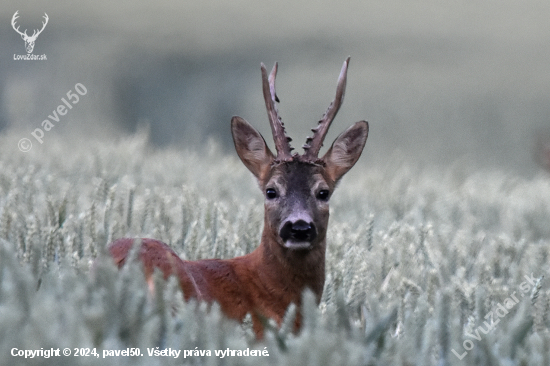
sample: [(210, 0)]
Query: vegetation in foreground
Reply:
[(424, 266)]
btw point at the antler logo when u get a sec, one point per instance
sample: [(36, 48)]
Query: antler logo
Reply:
[(29, 40)]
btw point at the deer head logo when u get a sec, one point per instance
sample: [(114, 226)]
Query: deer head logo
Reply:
[(29, 40)]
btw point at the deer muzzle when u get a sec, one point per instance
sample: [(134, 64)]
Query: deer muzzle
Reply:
[(298, 234)]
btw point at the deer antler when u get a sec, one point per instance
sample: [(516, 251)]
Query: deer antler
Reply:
[(35, 35), (313, 144), (282, 141), (24, 34), (13, 21)]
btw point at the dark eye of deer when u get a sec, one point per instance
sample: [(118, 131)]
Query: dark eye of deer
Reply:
[(270, 193), (323, 195)]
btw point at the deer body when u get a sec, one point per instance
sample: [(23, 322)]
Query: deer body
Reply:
[(291, 254)]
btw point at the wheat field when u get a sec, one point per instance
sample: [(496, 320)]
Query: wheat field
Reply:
[(425, 266)]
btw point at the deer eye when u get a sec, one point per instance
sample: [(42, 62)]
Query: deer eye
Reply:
[(270, 193), (323, 195)]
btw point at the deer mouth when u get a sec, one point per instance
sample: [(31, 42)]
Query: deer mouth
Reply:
[(297, 245), (298, 235)]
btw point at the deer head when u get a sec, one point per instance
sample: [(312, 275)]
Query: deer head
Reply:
[(29, 40), (297, 188)]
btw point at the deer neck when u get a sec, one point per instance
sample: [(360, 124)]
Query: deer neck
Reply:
[(293, 270)]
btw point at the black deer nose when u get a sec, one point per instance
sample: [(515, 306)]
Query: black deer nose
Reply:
[(298, 231)]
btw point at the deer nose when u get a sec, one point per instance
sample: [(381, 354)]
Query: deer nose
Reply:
[(298, 231)]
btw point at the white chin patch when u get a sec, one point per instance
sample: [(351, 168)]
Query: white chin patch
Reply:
[(297, 245)]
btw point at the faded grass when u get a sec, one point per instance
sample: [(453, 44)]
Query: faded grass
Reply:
[(416, 258)]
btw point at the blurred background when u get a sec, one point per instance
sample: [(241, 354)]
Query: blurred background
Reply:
[(438, 81)]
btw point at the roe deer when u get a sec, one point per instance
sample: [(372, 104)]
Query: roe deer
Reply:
[(291, 254)]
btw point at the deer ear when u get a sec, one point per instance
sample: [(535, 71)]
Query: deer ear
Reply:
[(346, 150), (251, 147)]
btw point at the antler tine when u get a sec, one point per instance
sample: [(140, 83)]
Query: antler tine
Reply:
[(14, 21), (314, 143), (282, 141), (14, 18), (46, 18)]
